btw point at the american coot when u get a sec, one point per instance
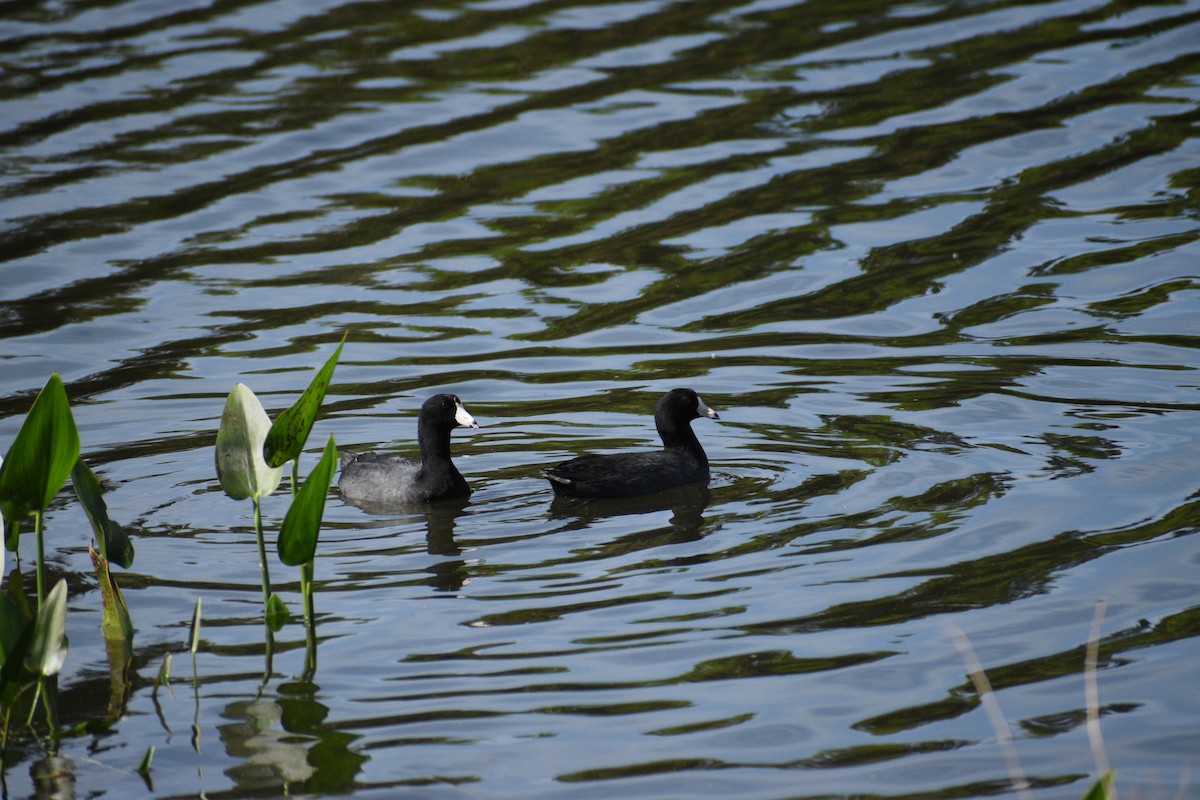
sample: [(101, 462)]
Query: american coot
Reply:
[(381, 480), (681, 461)]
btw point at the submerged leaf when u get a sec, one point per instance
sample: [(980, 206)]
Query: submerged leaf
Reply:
[(42, 455), (301, 526), (240, 466), (290, 430), (48, 649), (114, 541)]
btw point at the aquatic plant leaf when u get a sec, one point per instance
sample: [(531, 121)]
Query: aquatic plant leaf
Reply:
[(48, 648), (164, 674), (115, 623), (194, 637), (13, 620), (301, 526), (41, 457), (147, 759), (240, 466), (1101, 789), (16, 633), (290, 430), (115, 546), (277, 613)]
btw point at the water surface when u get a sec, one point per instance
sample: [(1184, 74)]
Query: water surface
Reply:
[(935, 264)]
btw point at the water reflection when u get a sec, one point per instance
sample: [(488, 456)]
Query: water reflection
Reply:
[(286, 743), (268, 756), (54, 777), (438, 520), (686, 505)]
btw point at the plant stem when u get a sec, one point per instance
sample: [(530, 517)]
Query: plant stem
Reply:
[(4, 752), (310, 618), (310, 655), (37, 696), (268, 668), (50, 704), (262, 552), (41, 558), (306, 588)]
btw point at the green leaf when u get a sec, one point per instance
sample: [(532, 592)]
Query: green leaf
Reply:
[(41, 457), (291, 428), (115, 546), (3, 532), (13, 621), (240, 466), (164, 672), (115, 622), (48, 650), (13, 676), (144, 766), (301, 526), (277, 613), (194, 644), (1101, 789)]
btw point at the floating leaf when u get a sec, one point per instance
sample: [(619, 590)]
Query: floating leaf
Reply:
[(115, 622), (277, 613), (302, 524), (115, 546), (240, 466), (48, 649), (290, 430), (41, 457)]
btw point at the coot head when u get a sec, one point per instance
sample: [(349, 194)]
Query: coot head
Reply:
[(682, 405), (446, 411)]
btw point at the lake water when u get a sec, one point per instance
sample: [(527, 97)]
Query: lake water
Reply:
[(934, 263)]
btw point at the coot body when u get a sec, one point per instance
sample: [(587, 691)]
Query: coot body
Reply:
[(382, 480), (681, 461)]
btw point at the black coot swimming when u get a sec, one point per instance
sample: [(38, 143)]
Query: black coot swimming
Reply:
[(681, 461), (382, 480)]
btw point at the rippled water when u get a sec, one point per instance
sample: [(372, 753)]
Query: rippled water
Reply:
[(935, 264)]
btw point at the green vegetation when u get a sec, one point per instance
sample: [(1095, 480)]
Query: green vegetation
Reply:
[(250, 453)]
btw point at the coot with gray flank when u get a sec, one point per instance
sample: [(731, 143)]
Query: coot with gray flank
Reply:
[(383, 480)]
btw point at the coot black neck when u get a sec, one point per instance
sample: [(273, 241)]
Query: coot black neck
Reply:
[(678, 435), (434, 441)]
